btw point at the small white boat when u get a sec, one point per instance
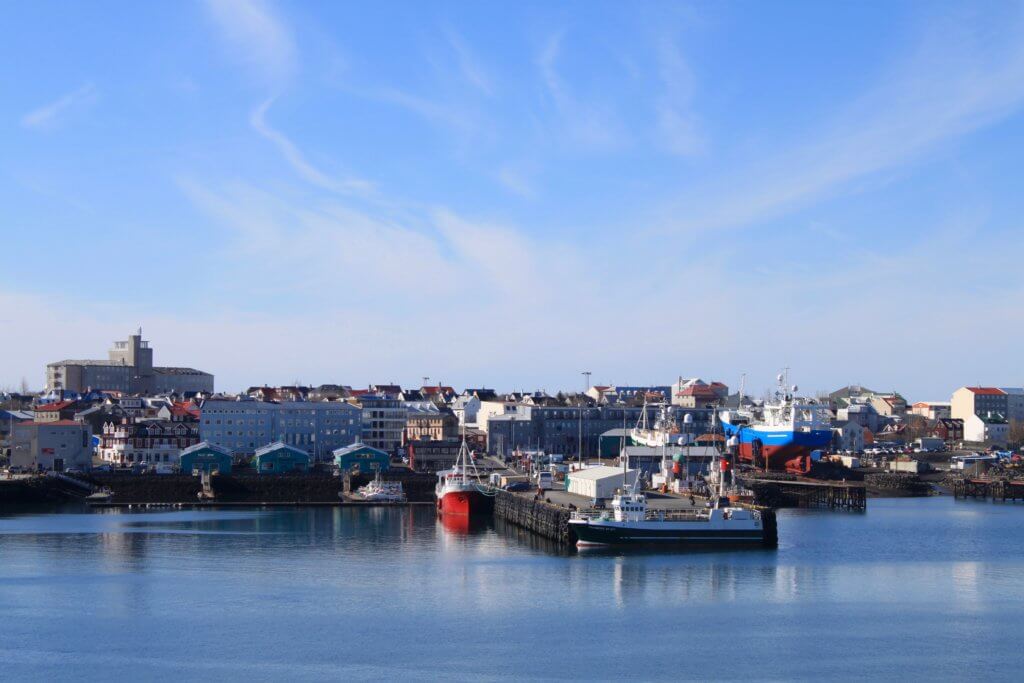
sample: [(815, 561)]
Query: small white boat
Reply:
[(378, 491)]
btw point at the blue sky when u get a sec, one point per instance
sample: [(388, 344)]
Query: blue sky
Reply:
[(507, 195)]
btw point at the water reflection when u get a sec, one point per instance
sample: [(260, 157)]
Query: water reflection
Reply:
[(524, 538)]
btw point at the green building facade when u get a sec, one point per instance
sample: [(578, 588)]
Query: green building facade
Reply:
[(366, 458), (280, 458), (205, 457)]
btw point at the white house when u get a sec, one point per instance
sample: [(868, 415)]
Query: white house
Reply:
[(466, 409), (992, 428)]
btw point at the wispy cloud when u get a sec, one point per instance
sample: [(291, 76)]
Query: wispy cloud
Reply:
[(585, 123), (292, 154), (516, 181), (677, 124), (469, 65), (451, 115), (49, 115), (956, 82), (256, 36)]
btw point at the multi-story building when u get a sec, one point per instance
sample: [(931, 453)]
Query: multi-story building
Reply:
[(1014, 403), (696, 393), (317, 427), (491, 407), (55, 446), (968, 401), (56, 411), (128, 369), (556, 429), (433, 455), (149, 442), (424, 420), (384, 420), (697, 396)]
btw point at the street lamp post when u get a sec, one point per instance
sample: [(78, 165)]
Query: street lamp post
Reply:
[(579, 452)]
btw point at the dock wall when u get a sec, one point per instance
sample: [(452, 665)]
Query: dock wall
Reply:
[(247, 488), (542, 518)]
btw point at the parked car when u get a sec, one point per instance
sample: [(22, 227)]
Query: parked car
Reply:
[(517, 486)]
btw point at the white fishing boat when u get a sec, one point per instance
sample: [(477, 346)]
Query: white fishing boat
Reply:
[(632, 522), (379, 491)]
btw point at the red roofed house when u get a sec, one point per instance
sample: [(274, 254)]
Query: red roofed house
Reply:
[(696, 396), (54, 412)]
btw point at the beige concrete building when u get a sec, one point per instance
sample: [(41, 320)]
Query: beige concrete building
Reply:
[(969, 401), (890, 405), (425, 421), (129, 369)]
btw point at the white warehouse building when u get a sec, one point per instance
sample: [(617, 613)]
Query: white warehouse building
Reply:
[(600, 481)]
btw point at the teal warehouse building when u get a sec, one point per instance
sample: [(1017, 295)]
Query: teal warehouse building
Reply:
[(280, 458)]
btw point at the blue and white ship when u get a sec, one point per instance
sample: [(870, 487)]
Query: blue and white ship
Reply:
[(788, 435)]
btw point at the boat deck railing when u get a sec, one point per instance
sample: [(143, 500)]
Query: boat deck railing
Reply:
[(649, 516)]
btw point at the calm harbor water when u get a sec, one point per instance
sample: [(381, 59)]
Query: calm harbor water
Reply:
[(914, 588)]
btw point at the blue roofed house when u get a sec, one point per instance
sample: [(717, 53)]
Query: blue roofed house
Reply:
[(366, 458), (280, 458), (205, 457)]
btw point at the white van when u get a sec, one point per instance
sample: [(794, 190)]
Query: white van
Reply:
[(545, 481)]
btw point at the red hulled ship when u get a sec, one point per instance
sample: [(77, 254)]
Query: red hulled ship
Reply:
[(459, 491)]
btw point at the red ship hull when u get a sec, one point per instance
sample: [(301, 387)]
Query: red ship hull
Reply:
[(468, 502), (790, 458)]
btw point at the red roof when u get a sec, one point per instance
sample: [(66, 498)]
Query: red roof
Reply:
[(182, 409), (986, 391), (50, 407), (698, 390)]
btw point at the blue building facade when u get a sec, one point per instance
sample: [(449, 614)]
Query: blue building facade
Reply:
[(316, 427)]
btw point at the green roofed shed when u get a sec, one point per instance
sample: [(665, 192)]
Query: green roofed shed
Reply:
[(368, 459), (280, 458), (205, 457)]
